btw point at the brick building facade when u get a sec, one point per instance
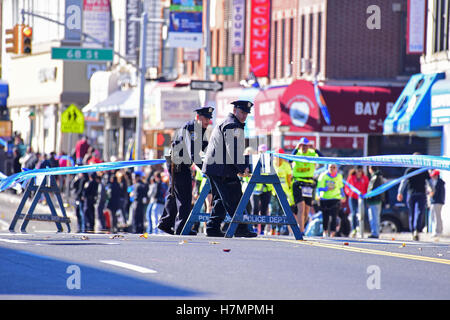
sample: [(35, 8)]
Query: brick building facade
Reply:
[(329, 39)]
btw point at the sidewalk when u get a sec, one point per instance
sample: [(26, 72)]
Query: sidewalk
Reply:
[(407, 236)]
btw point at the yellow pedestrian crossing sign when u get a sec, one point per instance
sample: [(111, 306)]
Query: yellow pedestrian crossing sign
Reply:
[(72, 120)]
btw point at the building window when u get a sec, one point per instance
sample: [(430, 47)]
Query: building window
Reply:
[(311, 36), (283, 46), (319, 42), (440, 25), (291, 47), (275, 49)]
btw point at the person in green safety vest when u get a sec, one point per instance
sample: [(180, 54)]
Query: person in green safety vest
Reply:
[(304, 183), (330, 186)]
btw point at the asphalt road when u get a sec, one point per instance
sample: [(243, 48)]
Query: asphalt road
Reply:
[(43, 264), (129, 266)]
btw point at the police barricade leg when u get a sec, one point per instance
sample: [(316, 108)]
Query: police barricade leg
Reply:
[(196, 214), (46, 188), (239, 217)]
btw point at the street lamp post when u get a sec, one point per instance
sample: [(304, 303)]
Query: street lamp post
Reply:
[(143, 20), (142, 70)]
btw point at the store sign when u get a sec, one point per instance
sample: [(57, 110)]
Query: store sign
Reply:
[(178, 106), (416, 26), (440, 109), (96, 23), (185, 27), (133, 10), (238, 27), (352, 109), (260, 37)]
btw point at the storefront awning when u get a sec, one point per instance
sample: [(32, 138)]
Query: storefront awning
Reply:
[(440, 103), (124, 101), (411, 113)]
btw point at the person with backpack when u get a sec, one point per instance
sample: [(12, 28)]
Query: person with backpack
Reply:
[(375, 204)]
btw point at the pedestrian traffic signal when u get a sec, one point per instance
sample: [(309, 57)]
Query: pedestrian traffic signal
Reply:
[(27, 34), (14, 39)]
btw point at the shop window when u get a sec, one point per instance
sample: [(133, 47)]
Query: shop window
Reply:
[(440, 25)]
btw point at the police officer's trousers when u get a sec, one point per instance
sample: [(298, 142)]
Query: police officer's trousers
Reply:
[(227, 193), (178, 207)]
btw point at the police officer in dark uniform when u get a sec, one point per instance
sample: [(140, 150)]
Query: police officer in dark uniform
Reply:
[(223, 162), (187, 145), (89, 195), (140, 190)]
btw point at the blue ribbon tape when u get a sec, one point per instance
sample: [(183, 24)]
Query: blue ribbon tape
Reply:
[(385, 186), (105, 166), (413, 161)]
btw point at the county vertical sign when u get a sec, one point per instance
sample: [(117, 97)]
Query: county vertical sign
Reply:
[(260, 37)]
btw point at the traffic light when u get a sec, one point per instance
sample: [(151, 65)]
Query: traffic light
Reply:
[(14, 39), (27, 34)]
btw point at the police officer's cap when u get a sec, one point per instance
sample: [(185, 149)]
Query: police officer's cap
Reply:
[(244, 105), (138, 173), (206, 112)]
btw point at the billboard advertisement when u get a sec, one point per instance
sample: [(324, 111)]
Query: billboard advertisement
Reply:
[(186, 24)]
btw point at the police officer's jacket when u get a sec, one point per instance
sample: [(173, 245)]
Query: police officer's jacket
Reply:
[(224, 155), (188, 138)]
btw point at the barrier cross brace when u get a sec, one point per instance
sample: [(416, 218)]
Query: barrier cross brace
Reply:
[(239, 216), (46, 188)]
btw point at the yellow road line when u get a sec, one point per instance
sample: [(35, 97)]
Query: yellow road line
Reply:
[(362, 250)]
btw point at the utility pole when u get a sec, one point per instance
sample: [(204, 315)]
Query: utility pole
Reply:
[(207, 49), (142, 70)]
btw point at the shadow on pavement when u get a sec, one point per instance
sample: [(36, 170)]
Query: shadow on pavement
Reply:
[(23, 273)]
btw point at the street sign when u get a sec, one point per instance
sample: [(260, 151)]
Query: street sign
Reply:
[(226, 71), (206, 85), (72, 120), (82, 54)]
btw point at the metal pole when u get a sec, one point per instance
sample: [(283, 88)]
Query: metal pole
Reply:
[(207, 48), (362, 212), (142, 70)]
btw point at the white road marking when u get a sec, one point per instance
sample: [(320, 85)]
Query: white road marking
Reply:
[(4, 224), (12, 241), (128, 266)]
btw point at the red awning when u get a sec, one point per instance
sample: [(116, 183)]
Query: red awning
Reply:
[(352, 109), (267, 108)]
